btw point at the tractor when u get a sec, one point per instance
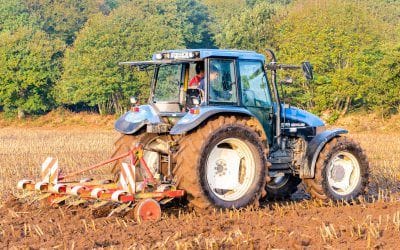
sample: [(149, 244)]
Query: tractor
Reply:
[(230, 140)]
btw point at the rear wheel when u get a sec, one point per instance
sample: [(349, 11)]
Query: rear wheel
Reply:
[(222, 164), (282, 187), (341, 171), (151, 141)]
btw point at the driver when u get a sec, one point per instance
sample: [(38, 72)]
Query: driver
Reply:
[(215, 91), (195, 81)]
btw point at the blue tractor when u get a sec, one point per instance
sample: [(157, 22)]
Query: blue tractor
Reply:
[(214, 126)]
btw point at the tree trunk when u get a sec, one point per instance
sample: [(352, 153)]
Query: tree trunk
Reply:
[(346, 105), (21, 114)]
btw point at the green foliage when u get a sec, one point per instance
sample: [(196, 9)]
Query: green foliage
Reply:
[(252, 3), (14, 14), (63, 18), (29, 67), (195, 24), (251, 30), (221, 11), (384, 92), (342, 43), (131, 32), (353, 45)]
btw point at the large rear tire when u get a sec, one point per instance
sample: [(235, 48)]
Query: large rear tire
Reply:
[(341, 171), (206, 154), (127, 142)]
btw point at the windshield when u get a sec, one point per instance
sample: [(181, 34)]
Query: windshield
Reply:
[(168, 83)]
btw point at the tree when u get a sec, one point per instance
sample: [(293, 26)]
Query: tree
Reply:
[(29, 67), (63, 18), (14, 15), (220, 12), (383, 95), (195, 24), (250, 30), (133, 31), (342, 40)]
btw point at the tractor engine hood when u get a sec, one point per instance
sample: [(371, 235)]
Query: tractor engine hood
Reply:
[(131, 121), (296, 115)]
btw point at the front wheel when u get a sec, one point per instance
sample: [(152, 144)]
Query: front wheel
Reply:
[(341, 171)]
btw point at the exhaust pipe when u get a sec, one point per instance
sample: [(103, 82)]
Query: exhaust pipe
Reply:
[(273, 67)]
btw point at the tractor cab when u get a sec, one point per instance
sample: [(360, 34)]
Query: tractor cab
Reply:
[(187, 83), (177, 86)]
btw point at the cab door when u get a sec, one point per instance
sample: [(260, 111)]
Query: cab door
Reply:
[(255, 93)]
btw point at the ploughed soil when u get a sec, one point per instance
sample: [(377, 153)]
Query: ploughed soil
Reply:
[(301, 224)]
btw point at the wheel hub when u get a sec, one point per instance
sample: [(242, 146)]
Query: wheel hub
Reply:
[(220, 167), (338, 173), (343, 173)]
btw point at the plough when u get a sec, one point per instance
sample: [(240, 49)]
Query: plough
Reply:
[(143, 196)]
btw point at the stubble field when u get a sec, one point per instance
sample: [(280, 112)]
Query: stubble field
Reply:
[(373, 222)]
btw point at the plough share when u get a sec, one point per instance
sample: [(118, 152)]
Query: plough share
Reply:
[(144, 196)]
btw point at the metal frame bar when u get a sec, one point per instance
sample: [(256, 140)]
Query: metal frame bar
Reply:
[(110, 191)]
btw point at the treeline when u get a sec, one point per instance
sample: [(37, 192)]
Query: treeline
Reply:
[(65, 52)]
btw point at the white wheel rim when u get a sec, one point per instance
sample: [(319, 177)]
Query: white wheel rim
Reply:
[(230, 169), (343, 173), (152, 158)]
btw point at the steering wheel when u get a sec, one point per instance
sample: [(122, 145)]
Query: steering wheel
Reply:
[(201, 95), (193, 94)]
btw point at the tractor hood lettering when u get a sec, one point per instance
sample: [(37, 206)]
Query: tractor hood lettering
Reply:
[(131, 122)]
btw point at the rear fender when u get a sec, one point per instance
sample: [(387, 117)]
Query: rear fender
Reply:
[(191, 121), (131, 122), (307, 171)]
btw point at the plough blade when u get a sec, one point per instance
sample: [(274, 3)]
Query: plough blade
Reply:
[(58, 200), (120, 209), (145, 195), (100, 204)]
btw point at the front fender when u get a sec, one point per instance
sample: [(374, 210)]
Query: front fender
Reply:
[(131, 122), (314, 147), (191, 121)]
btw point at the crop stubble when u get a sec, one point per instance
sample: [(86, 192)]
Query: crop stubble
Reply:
[(292, 224)]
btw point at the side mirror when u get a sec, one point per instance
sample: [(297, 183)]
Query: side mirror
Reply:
[(307, 70)]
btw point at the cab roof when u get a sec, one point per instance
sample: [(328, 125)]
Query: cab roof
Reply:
[(204, 53)]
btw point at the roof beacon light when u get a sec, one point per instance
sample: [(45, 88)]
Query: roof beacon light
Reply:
[(159, 56)]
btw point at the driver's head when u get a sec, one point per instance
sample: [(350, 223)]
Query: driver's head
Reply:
[(200, 69), (213, 72)]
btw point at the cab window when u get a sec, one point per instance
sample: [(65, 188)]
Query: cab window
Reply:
[(254, 84), (168, 83), (222, 81)]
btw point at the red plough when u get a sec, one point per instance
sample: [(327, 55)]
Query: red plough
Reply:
[(144, 196)]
